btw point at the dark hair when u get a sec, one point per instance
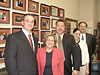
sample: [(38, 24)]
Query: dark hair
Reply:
[(26, 15), (82, 22), (76, 29), (59, 20)]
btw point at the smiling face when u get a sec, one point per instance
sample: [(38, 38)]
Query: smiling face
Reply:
[(50, 42), (76, 35), (82, 27), (60, 27), (28, 23)]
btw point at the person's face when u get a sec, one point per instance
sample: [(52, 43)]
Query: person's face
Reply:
[(60, 27), (82, 27), (77, 35), (28, 23), (50, 42)]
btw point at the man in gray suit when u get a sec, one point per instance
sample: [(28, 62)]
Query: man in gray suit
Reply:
[(69, 48), (89, 39), (20, 50)]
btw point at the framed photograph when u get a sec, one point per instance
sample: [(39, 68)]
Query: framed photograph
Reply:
[(61, 13), (17, 18), (43, 35), (33, 6), (36, 21), (16, 30), (38, 45), (2, 54), (53, 31), (45, 23), (4, 16), (5, 3), (4, 32), (19, 5), (54, 11), (53, 23), (36, 33), (44, 10)]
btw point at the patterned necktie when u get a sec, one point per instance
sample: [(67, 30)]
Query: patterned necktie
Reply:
[(60, 46), (82, 37), (30, 40)]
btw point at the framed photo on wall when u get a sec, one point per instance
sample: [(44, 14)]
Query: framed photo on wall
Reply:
[(61, 13), (33, 6), (19, 5), (2, 54), (17, 18), (54, 11), (54, 23), (4, 16), (45, 23), (5, 3), (36, 21), (44, 10), (16, 30), (4, 32), (36, 33), (43, 35)]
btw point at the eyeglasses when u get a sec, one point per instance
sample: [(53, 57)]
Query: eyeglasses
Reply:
[(51, 40)]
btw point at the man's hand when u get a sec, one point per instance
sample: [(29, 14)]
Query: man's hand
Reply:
[(75, 72)]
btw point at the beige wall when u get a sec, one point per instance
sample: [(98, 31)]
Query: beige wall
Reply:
[(71, 6), (99, 10)]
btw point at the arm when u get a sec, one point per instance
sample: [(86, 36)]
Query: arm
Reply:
[(87, 68), (61, 63), (11, 55)]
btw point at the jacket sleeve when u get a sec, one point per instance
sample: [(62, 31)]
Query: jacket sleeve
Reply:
[(38, 60), (11, 55), (75, 55), (61, 63)]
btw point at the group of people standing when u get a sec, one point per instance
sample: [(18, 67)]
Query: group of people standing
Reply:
[(22, 57)]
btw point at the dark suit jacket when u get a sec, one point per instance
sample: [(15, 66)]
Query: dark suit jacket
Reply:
[(19, 57), (70, 48), (91, 42), (57, 61)]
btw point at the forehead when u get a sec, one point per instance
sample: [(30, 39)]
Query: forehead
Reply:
[(28, 17), (60, 23), (82, 24), (50, 37)]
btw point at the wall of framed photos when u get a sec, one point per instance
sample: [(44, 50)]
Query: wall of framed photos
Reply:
[(12, 12)]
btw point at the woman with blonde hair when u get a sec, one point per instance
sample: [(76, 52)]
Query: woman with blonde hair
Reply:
[(50, 59)]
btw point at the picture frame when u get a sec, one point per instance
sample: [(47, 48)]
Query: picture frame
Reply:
[(17, 18), (61, 13), (4, 32), (33, 6), (36, 21), (45, 23), (16, 30), (44, 10), (53, 31), (54, 11), (43, 35), (2, 54), (36, 33), (5, 3), (4, 16), (19, 5), (53, 23)]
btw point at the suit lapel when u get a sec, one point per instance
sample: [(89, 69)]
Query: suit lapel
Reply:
[(25, 41), (87, 37)]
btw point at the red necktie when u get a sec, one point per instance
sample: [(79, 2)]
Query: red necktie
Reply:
[(30, 40)]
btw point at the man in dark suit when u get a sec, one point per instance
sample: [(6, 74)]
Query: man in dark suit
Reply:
[(69, 49), (20, 50), (89, 38)]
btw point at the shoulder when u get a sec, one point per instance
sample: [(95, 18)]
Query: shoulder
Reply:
[(57, 50), (41, 49)]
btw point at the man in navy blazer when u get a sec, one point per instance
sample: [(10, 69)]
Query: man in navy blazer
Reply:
[(20, 56)]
